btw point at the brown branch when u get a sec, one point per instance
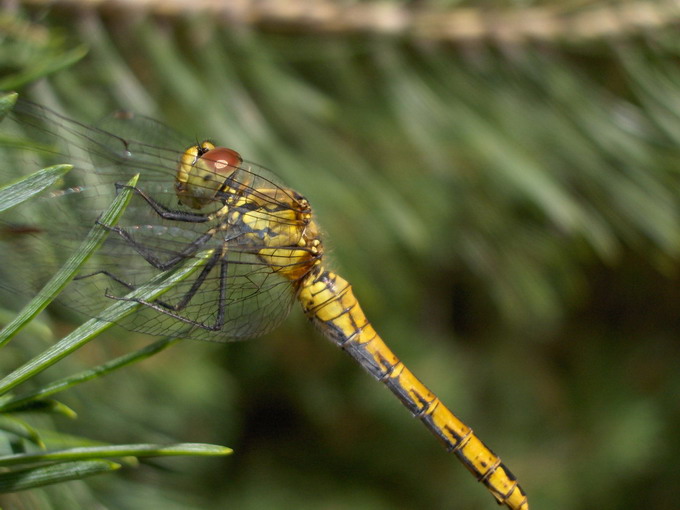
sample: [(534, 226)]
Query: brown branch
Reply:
[(548, 24)]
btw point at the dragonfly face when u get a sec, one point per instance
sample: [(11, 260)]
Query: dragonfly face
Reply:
[(203, 171)]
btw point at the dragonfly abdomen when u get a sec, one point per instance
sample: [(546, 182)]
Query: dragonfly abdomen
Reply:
[(329, 302)]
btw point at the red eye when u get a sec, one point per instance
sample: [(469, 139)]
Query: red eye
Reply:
[(222, 160), (202, 173)]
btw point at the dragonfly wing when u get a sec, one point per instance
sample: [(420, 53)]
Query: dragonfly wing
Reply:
[(40, 235)]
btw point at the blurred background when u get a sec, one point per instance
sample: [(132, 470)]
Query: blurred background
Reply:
[(499, 180)]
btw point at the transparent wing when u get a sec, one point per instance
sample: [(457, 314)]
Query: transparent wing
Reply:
[(237, 296)]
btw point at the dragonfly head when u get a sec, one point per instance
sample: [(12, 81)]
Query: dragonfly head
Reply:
[(202, 172)]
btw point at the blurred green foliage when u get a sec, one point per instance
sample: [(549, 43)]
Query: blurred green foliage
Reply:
[(509, 216)]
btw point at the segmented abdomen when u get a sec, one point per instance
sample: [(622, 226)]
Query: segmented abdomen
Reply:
[(329, 302)]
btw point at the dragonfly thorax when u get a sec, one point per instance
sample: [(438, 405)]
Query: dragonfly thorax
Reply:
[(281, 222), (204, 171)]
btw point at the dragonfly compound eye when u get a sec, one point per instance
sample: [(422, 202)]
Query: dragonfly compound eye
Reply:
[(202, 173)]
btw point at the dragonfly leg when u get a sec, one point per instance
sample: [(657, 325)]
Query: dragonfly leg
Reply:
[(125, 284), (170, 310), (186, 299), (152, 259), (165, 212)]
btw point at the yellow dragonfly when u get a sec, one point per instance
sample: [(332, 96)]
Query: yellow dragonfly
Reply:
[(267, 252)]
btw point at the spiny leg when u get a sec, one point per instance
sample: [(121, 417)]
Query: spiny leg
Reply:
[(165, 212), (188, 251), (201, 279), (170, 310), (132, 287)]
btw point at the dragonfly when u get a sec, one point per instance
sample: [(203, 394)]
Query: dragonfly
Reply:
[(266, 252)]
